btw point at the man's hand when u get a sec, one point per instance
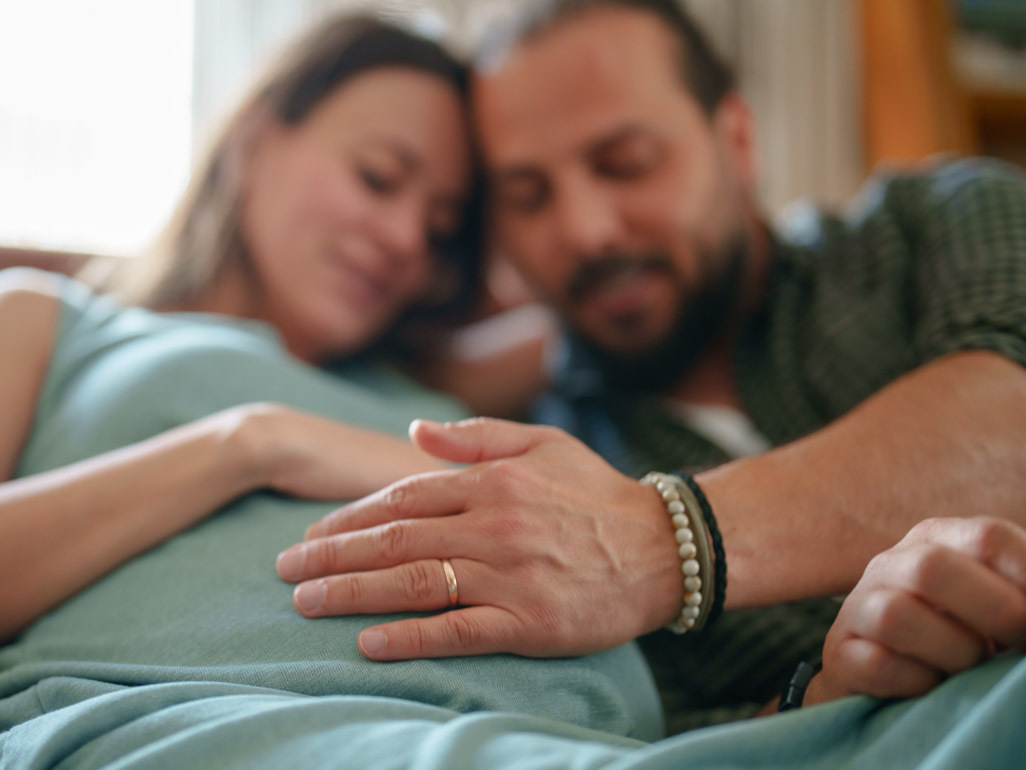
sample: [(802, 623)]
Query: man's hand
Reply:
[(555, 552), (946, 597)]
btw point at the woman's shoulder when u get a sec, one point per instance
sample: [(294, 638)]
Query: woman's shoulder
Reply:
[(29, 315), (29, 301), (29, 290), (53, 305), (29, 285)]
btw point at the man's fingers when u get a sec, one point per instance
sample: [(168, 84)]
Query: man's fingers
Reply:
[(872, 669), (439, 493), (909, 627), (999, 544), (967, 589), (387, 545), (417, 586), (478, 439), (467, 631)]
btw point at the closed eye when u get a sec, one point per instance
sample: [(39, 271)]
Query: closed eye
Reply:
[(626, 156), (376, 181)]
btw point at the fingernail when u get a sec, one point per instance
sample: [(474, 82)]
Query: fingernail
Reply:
[(290, 564), (310, 596), (373, 641)]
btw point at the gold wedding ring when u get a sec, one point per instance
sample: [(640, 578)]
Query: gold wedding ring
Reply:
[(450, 581)]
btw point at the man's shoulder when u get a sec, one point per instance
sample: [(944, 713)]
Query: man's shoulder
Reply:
[(935, 184), (901, 204)]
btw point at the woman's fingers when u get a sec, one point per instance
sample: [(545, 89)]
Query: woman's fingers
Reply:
[(416, 586)]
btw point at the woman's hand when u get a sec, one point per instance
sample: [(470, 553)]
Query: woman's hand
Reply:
[(554, 552), (945, 598), (317, 458)]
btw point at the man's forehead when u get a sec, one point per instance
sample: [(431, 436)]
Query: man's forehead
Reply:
[(576, 83)]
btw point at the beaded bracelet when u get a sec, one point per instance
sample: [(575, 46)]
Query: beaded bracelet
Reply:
[(693, 547)]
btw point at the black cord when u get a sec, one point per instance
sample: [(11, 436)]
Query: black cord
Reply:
[(794, 693), (720, 560)]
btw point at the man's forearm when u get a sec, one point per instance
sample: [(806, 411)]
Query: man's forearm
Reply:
[(948, 439), (578, 538)]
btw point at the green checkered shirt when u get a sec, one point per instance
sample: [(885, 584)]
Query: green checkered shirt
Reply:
[(923, 265)]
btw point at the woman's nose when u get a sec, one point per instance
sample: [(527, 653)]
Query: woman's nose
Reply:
[(405, 233)]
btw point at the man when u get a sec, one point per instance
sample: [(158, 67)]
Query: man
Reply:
[(882, 355)]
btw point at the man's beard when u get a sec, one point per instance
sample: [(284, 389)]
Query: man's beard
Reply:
[(704, 312)]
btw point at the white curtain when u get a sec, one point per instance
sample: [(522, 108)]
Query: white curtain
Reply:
[(232, 38), (797, 62), (798, 67)]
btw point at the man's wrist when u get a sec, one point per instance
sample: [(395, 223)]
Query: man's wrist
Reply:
[(703, 577)]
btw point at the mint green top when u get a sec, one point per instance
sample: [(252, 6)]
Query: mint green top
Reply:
[(207, 607)]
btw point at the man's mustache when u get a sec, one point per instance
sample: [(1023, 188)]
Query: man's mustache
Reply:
[(593, 273)]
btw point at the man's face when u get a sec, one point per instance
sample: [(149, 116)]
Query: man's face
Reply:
[(618, 198)]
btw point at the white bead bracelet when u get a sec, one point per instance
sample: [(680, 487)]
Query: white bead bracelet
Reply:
[(692, 546)]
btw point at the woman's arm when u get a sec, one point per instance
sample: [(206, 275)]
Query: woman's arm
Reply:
[(62, 529)]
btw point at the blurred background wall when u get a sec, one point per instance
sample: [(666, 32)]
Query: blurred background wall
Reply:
[(124, 92), (797, 61)]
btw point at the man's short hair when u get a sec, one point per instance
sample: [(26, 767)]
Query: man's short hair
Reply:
[(702, 70)]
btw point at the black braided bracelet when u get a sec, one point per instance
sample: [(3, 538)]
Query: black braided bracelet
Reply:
[(720, 560)]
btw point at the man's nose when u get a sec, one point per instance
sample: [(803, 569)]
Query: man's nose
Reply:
[(587, 218)]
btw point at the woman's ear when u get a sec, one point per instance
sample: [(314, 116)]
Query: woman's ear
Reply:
[(735, 126)]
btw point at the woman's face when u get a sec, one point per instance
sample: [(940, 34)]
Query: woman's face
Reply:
[(339, 211)]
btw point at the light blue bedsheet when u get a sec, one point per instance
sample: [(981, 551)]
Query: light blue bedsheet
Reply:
[(975, 720)]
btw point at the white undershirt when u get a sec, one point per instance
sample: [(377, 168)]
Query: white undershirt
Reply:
[(724, 426)]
